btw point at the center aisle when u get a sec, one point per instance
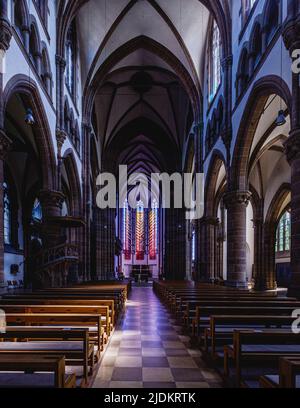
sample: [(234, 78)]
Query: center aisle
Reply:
[(147, 351)]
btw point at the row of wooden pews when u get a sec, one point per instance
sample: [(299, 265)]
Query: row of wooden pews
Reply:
[(247, 336), (55, 337)]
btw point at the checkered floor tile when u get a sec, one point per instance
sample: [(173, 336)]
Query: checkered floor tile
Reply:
[(147, 350)]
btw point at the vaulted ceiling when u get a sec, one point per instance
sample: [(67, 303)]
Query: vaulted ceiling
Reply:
[(144, 60)]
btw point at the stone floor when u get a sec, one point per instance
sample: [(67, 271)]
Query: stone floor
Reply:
[(148, 351)]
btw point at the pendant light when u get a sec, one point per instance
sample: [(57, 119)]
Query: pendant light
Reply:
[(280, 120)]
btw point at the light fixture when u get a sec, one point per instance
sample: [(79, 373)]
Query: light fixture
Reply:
[(29, 119), (280, 118)]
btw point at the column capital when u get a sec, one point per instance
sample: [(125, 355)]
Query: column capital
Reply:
[(51, 198), (5, 144), (292, 146), (232, 198), (61, 136), (291, 34), (5, 34)]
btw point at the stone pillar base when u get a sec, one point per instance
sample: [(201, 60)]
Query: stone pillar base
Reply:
[(236, 284)]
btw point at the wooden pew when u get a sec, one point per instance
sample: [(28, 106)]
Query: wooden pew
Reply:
[(259, 347), (102, 311), (203, 314), (222, 327), (51, 371), (68, 321), (60, 301), (289, 375), (73, 344)]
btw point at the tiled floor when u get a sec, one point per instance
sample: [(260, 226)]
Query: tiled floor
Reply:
[(147, 350)]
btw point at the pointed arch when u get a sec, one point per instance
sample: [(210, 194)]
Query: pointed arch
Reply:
[(21, 84)]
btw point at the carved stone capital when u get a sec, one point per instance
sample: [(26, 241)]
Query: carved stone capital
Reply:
[(60, 138), (51, 199), (5, 34), (5, 144), (232, 198), (292, 146), (291, 34)]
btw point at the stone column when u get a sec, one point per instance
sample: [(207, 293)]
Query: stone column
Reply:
[(60, 72), (86, 205), (291, 37), (227, 128), (105, 243), (259, 275), (208, 227), (5, 144), (198, 143), (236, 203), (51, 202), (175, 244)]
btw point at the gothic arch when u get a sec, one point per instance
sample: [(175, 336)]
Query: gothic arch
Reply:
[(262, 89), (21, 84), (216, 162), (74, 182)]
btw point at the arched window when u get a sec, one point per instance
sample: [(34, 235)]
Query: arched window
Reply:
[(19, 18), (271, 19), (283, 233), (46, 72), (7, 218), (153, 230), (37, 214), (256, 46), (33, 46), (214, 68), (77, 137), (65, 209), (43, 9), (243, 73), (126, 233), (67, 118), (71, 59)]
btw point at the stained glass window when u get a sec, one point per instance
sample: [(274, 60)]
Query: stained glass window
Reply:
[(153, 231), (71, 58), (126, 231), (193, 246), (37, 214), (6, 215), (214, 61), (283, 234)]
